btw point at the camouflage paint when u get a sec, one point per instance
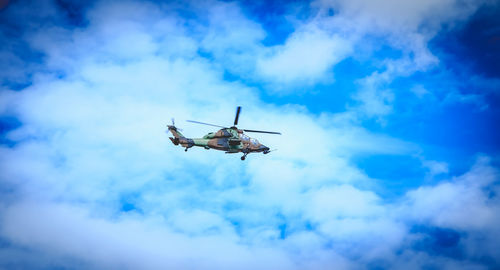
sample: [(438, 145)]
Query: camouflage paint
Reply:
[(230, 140)]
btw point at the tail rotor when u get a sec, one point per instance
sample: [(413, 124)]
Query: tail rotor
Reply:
[(173, 126)]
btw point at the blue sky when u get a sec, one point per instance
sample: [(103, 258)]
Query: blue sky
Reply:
[(389, 156)]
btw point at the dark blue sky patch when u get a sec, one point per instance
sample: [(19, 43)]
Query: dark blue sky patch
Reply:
[(4, 243), (395, 174), (329, 97), (378, 264), (35, 14), (445, 127), (476, 44), (282, 228), (8, 124), (230, 77), (438, 241), (73, 11), (19, 61), (63, 13), (271, 15), (451, 125), (129, 202), (480, 40), (127, 206), (455, 126), (15, 85), (491, 192)]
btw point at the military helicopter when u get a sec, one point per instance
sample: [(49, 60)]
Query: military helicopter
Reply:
[(229, 139)]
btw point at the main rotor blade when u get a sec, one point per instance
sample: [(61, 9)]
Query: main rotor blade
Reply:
[(237, 115), (196, 122), (260, 131)]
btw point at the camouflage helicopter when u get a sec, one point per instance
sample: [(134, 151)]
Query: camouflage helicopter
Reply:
[(229, 139)]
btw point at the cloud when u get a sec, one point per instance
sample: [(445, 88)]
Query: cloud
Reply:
[(354, 222), (467, 205), (435, 167), (406, 27), (232, 39), (305, 58), (444, 207), (60, 230), (419, 91), (375, 100), (92, 181)]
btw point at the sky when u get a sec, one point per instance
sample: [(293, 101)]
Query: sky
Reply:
[(389, 156)]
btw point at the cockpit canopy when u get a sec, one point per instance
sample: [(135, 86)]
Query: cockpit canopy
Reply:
[(247, 139)]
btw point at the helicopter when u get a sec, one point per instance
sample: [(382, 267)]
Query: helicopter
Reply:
[(228, 139)]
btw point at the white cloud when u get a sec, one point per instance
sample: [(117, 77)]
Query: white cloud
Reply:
[(233, 39), (59, 230), (374, 98), (404, 26), (468, 204), (452, 204), (305, 58), (419, 91), (94, 140), (435, 167)]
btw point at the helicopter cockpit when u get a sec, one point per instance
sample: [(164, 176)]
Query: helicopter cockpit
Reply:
[(244, 137), (247, 139)]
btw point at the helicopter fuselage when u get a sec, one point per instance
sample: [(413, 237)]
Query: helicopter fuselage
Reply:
[(230, 140)]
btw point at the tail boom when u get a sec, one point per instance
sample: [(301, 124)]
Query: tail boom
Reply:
[(179, 137)]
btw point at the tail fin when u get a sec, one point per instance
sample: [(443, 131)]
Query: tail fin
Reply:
[(177, 134), (178, 137)]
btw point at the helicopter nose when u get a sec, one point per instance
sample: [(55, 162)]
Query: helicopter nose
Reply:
[(264, 149)]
